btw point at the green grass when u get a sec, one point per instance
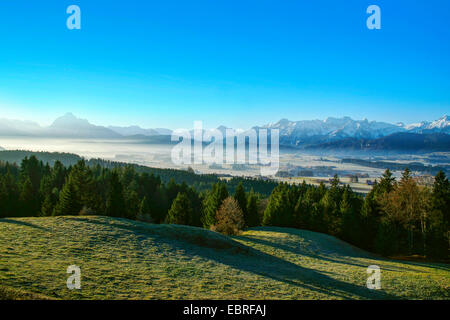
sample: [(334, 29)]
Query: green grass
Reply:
[(123, 259), (7, 293)]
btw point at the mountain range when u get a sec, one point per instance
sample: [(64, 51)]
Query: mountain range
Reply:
[(307, 134)]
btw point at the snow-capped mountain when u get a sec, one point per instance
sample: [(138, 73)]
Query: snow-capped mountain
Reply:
[(440, 125), (333, 129), (292, 133)]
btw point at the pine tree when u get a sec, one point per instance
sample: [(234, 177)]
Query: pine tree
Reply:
[(331, 204), (68, 203), (279, 211), (132, 204), (438, 237), (335, 181), (10, 194), (144, 211), (197, 207), (47, 206), (144, 208), (241, 198), (31, 169), (58, 175), (29, 201), (370, 220), (351, 219), (159, 205), (3, 199), (303, 212), (252, 210), (441, 197), (115, 201), (180, 211), (386, 184), (85, 186), (213, 202)]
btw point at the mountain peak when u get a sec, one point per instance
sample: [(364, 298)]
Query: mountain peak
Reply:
[(69, 120), (69, 115), (441, 123)]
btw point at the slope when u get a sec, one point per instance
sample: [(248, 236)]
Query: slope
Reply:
[(123, 259)]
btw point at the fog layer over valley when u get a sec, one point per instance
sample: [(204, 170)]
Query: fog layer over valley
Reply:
[(295, 165)]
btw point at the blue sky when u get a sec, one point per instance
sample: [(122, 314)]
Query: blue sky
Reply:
[(237, 63)]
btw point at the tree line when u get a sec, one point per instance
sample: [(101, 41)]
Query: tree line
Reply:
[(395, 218), (38, 189), (201, 182)]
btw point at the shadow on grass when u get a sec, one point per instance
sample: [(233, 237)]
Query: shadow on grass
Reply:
[(23, 223), (436, 265), (323, 257), (248, 259), (357, 252)]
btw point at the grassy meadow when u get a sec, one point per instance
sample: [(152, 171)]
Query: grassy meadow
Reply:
[(124, 259)]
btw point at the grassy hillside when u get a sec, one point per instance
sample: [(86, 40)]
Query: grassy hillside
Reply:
[(122, 259)]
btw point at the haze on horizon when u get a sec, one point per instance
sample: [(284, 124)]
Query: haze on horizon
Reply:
[(225, 63)]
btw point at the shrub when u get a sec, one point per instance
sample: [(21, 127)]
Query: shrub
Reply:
[(144, 217), (87, 212)]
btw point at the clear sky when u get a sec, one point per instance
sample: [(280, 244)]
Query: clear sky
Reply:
[(238, 63)]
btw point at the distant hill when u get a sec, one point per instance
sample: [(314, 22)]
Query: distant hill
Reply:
[(124, 259), (16, 156), (200, 181), (393, 166), (401, 141), (133, 131)]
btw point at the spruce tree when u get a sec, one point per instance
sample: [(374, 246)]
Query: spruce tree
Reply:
[(386, 184), (159, 205), (68, 203), (115, 201), (144, 211), (31, 169), (351, 222), (3, 199), (47, 206), (241, 198), (302, 213), (144, 208), (213, 202), (132, 204), (85, 186), (58, 175), (180, 211), (29, 201), (252, 210), (279, 211), (438, 237), (10, 191)]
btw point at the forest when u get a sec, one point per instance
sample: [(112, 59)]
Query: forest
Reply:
[(397, 218)]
